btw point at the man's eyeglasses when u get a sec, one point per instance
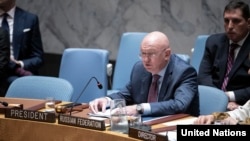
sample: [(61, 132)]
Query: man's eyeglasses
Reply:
[(150, 55)]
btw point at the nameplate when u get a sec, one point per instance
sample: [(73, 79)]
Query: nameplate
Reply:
[(81, 122), (30, 115), (146, 135)]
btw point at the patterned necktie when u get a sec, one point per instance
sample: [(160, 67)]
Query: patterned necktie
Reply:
[(230, 61), (153, 91), (5, 24)]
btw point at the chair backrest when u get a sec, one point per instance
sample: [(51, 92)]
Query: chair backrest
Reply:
[(198, 52), (184, 57), (79, 66), (128, 54), (40, 87), (212, 100)]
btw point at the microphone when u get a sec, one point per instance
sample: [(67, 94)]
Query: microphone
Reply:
[(64, 109), (5, 104), (18, 106), (99, 85)]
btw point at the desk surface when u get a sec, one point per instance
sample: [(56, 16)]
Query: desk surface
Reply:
[(25, 130), (18, 130), (22, 130)]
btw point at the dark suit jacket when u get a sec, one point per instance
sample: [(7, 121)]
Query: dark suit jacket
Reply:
[(4, 59), (214, 64), (178, 93), (27, 43), (4, 53)]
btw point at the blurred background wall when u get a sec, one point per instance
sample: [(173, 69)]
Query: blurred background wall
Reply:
[(100, 23)]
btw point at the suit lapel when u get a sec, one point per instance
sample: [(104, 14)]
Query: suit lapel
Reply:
[(145, 84), (17, 31), (224, 47), (242, 55), (167, 77)]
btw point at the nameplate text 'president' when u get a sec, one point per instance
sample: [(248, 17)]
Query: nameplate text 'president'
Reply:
[(30, 115), (81, 122)]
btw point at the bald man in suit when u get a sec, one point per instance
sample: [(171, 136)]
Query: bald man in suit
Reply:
[(177, 89)]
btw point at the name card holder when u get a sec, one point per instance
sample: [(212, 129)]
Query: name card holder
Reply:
[(165, 119), (81, 122), (146, 135), (10, 106), (30, 115)]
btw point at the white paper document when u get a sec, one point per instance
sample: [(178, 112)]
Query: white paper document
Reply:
[(172, 135), (105, 114), (184, 121)]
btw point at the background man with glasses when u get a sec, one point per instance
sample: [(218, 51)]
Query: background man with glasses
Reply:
[(174, 91)]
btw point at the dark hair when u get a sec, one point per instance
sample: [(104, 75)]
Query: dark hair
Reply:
[(237, 4)]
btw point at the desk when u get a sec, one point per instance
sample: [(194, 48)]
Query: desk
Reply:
[(26, 130)]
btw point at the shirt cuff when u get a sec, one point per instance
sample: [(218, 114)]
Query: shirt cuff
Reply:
[(21, 63), (109, 100), (146, 108), (231, 95)]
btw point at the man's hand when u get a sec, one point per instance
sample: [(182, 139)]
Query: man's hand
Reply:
[(229, 121), (232, 105), (204, 119), (131, 110), (19, 63), (97, 104)]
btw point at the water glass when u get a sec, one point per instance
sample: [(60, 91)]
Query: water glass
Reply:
[(50, 104), (135, 120), (118, 116)]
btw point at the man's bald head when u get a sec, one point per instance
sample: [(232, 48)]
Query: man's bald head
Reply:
[(155, 39), (155, 51)]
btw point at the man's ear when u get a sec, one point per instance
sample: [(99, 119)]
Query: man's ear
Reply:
[(167, 53)]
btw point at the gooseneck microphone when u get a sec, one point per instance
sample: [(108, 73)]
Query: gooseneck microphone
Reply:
[(99, 85), (4, 103)]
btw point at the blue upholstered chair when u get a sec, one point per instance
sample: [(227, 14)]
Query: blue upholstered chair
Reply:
[(198, 51), (82, 67), (184, 57), (212, 100), (40, 87), (128, 54)]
